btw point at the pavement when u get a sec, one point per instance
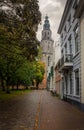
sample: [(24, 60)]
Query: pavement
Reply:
[(39, 110)]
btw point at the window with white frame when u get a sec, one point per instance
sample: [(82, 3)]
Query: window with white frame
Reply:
[(62, 39), (70, 77), (65, 30), (69, 20), (48, 46), (76, 38), (77, 82), (70, 45), (48, 60), (45, 34), (62, 52), (65, 48), (75, 5), (48, 38)]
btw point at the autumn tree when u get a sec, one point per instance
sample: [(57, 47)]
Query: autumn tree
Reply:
[(39, 70), (19, 20)]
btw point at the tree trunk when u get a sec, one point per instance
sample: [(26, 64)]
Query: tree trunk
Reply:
[(26, 87), (17, 86), (37, 84), (2, 85), (12, 87), (7, 86), (8, 89)]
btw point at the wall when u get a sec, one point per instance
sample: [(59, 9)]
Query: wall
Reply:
[(82, 57), (57, 81)]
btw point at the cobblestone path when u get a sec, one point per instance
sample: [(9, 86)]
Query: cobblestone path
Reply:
[(38, 110)]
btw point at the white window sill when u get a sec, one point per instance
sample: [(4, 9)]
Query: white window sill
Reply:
[(77, 96)]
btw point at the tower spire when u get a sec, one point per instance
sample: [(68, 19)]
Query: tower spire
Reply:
[(46, 23), (46, 33)]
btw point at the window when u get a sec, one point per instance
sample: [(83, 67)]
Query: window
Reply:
[(77, 82), (48, 33), (65, 29), (45, 34), (62, 38), (69, 20), (48, 46), (70, 45), (75, 5), (66, 48), (76, 38), (48, 38), (48, 60), (70, 83), (62, 51)]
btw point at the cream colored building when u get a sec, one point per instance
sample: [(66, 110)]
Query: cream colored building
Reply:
[(80, 14), (71, 30)]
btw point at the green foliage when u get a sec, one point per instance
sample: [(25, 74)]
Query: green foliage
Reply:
[(18, 42), (24, 74), (39, 70)]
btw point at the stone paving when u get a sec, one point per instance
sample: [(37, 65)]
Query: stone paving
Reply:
[(38, 110), (59, 115), (19, 114)]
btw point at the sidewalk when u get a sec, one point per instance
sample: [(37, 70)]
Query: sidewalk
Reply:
[(59, 115)]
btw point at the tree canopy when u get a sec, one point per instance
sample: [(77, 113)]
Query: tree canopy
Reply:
[(19, 21), (39, 70)]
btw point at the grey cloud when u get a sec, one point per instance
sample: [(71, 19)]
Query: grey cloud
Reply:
[(62, 2), (51, 8), (54, 10)]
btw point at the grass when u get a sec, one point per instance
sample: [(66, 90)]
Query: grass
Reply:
[(4, 96)]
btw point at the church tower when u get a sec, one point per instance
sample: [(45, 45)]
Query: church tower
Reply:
[(46, 33), (47, 46)]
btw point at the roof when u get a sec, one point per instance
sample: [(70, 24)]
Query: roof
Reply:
[(65, 13), (80, 9)]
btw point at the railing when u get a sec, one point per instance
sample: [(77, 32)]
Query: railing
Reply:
[(67, 58)]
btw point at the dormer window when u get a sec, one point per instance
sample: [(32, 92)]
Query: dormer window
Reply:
[(76, 3)]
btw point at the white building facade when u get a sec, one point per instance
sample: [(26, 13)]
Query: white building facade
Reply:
[(70, 63), (80, 15)]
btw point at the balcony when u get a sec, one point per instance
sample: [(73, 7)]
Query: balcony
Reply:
[(66, 62)]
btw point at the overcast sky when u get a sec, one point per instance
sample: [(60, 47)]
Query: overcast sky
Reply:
[(54, 9)]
